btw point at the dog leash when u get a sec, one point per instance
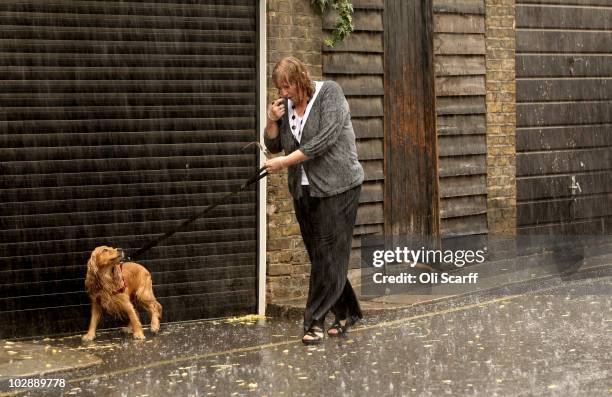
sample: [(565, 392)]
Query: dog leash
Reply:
[(259, 175)]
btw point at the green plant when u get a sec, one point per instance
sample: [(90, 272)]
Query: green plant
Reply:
[(344, 23)]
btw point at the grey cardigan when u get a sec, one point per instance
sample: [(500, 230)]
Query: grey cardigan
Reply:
[(328, 140)]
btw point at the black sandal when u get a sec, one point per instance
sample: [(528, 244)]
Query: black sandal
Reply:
[(341, 330), (316, 334)]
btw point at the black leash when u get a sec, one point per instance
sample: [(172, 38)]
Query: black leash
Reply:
[(260, 174)]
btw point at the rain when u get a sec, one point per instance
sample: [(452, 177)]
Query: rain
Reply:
[(137, 125)]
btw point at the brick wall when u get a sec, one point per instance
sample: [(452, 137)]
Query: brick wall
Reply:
[(294, 28), (501, 116)]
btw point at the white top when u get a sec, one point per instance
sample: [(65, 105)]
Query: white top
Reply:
[(297, 123)]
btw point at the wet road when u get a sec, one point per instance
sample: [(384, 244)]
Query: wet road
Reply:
[(554, 342)]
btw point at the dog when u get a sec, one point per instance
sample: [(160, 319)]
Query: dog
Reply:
[(115, 286)]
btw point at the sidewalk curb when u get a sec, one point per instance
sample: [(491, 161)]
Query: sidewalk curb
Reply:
[(294, 309)]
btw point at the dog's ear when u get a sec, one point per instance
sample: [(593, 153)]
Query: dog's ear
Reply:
[(92, 263)]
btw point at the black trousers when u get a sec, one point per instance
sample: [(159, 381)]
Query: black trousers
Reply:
[(327, 226)]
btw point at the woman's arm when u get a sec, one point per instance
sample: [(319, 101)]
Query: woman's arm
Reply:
[(274, 113), (278, 163)]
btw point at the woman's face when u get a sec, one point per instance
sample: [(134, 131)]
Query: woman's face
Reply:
[(289, 91)]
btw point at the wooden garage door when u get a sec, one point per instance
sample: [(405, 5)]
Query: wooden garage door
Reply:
[(564, 116), (117, 121)]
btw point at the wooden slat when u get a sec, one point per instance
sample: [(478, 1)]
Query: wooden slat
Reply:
[(567, 210), (463, 186), (600, 226), (35, 127), (371, 192), (359, 85), (137, 209), (460, 85), (369, 214), (558, 186), (460, 105), (132, 208), (464, 165), (181, 245), (17, 114), (85, 74), (124, 60), (565, 113), (368, 4), (119, 35), (459, 65), (370, 149), (171, 248), (122, 47), (126, 21), (463, 206), (128, 86), (563, 41), (167, 9), (352, 63), (133, 137), (459, 6), (451, 23), (560, 65), (9, 252), (124, 99), (120, 178), (373, 170), (461, 125), (220, 280), (368, 127), (563, 17), (110, 231), (584, 136), (363, 21), (463, 44), (462, 226), (360, 41), (163, 269), (366, 107), (118, 151), (557, 162), (566, 2), (87, 191), (365, 230), (459, 145), (110, 165), (576, 89)]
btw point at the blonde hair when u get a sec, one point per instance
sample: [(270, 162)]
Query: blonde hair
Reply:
[(291, 70)]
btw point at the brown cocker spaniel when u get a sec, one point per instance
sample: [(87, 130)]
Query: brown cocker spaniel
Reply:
[(114, 287)]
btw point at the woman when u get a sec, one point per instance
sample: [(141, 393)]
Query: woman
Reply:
[(312, 124)]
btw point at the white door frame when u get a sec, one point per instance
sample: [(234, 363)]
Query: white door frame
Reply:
[(262, 196)]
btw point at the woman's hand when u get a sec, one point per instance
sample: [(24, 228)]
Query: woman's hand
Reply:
[(276, 110), (276, 164)]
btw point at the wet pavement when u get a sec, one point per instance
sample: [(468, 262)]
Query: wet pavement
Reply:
[(28, 359), (554, 341)]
